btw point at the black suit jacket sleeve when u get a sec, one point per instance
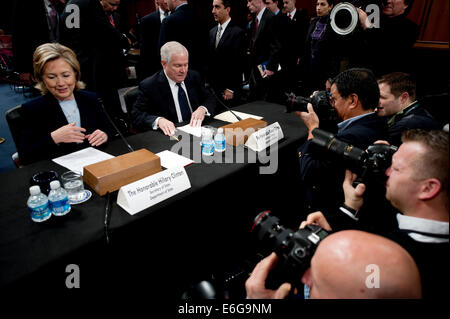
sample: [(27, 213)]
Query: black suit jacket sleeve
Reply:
[(271, 39), (143, 110), (198, 94), (149, 58)]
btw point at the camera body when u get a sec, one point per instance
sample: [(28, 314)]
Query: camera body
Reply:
[(370, 165), (319, 102), (294, 248), (321, 105)]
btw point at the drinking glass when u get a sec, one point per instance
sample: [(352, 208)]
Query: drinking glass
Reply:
[(73, 183)]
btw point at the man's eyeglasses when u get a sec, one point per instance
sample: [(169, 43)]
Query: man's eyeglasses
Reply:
[(331, 98)]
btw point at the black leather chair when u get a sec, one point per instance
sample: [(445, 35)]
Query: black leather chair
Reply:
[(15, 123), (130, 97)]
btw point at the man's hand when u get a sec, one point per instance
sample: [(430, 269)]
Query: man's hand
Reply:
[(256, 283), (68, 134), (227, 95), (166, 126), (197, 117), (316, 218), (97, 138), (353, 196), (267, 73), (381, 142), (363, 19), (310, 119)]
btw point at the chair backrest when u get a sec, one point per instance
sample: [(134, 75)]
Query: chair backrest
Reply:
[(15, 123), (130, 97)]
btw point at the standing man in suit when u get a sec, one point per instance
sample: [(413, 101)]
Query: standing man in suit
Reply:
[(298, 28), (151, 26), (174, 94), (185, 27), (264, 49), (226, 54), (34, 23), (99, 45)]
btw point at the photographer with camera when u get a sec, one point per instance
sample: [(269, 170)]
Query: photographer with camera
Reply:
[(417, 186), (390, 43), (398, 105), (354, 95), (338, 270)]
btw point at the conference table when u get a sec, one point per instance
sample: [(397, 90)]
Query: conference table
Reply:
[(184, 239)]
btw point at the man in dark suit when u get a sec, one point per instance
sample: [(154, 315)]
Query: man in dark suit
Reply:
[(172, 95), (226, 54), (264, 49), (185, 27), (390, 44), (99, 44), (354, 95), (297, 30), (150, 61), (34, 23)]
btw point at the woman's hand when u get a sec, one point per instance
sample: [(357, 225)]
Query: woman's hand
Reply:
[(68, 134), (97, 138)]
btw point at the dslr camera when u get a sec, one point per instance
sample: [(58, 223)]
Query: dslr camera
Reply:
[(294, 248), (320, 102), (370, 165)]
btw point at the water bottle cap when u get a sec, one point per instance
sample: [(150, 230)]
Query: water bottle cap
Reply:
[(54, 184), (34, 190), (220, 130)]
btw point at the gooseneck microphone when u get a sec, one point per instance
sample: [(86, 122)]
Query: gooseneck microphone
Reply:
[(114, 125), (228, 109)]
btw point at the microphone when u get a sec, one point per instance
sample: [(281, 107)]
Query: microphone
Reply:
[(228, 109), (114, 125)]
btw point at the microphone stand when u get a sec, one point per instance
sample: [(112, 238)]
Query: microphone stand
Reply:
[(228, 109), (115, 127)]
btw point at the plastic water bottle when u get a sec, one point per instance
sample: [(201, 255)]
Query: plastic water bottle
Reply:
[(219, 141), (58, 199), (38, 205), (207, 142)]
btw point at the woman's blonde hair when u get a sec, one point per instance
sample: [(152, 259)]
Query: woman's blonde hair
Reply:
[(53, 51)]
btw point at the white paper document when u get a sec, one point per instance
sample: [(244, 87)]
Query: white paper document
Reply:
[(153, 189), (196, 131), (230, 118), (77, 160), (170, 159)]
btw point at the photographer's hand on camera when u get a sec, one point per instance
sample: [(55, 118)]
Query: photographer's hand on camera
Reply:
[(255, 285), (316, 218), (353, 195), (310, 119)]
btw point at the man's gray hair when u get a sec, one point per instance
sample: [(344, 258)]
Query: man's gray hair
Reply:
[(170, 48)]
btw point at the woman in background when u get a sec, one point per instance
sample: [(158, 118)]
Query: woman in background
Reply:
[(65, 119), (321, 58)]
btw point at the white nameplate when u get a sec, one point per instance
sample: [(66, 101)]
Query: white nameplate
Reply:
[(153, 189), (265, 137)]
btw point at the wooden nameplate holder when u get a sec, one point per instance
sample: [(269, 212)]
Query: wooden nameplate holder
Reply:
[(238, 133), (110, 175)]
